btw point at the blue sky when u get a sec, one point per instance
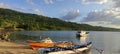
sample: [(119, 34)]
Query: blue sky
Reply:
[(94, 12)]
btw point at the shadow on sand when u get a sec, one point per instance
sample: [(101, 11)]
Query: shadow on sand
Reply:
[(15, 47)]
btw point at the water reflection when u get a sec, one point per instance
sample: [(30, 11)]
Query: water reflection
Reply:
[(83, 40)]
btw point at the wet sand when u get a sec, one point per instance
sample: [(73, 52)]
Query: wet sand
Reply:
[(15, 48)]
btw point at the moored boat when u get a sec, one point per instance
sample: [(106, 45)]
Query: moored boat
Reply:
[(81, 33)]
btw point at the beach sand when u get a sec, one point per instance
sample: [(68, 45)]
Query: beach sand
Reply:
[(15, 48)]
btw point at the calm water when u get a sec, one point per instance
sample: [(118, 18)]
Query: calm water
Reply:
[(107, 41)]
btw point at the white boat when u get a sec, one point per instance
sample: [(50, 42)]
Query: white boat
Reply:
[(82, 33)]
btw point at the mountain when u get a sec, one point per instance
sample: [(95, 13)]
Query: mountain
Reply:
[(27, 21)]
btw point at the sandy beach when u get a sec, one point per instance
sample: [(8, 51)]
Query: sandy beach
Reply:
[(15, 48)]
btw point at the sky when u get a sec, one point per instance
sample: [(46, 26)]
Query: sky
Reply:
[(94, 12)]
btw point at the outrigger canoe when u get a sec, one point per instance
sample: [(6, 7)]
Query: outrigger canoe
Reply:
[(74, 49)]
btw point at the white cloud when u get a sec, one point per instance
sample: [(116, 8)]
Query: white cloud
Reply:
[(116, 3), (94, 1), (104, 18), (98, 16), (2, 5), (102, 23), (31, 10), (21, 8), (104, 15), (63, 11), (52, 1), (71, 15), (48, 1), (107, 17), (59, 0), (30, 2), (37, 11)]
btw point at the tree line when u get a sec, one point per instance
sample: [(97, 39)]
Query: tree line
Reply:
[(27, 21)]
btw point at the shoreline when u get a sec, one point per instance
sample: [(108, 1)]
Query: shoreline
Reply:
[(15, 48)]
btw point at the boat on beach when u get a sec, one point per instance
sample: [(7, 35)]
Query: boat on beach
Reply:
[(66, 50), (36, 45), (47, 43)]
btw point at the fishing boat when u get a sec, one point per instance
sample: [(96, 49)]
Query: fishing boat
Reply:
[(47, 43), (81, 33)]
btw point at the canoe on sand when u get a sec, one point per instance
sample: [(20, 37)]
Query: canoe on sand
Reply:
[(74, 49), (47, 43)]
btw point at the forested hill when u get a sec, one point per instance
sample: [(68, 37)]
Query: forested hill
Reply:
[(26, 21)]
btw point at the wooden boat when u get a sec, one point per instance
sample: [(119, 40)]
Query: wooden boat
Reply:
[(47, 43), (36, 45)]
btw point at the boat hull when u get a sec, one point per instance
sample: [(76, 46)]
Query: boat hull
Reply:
[(66, 50), (36, 45), (86, 50)]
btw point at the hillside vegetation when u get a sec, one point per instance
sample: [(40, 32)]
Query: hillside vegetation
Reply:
[(27, 21)]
